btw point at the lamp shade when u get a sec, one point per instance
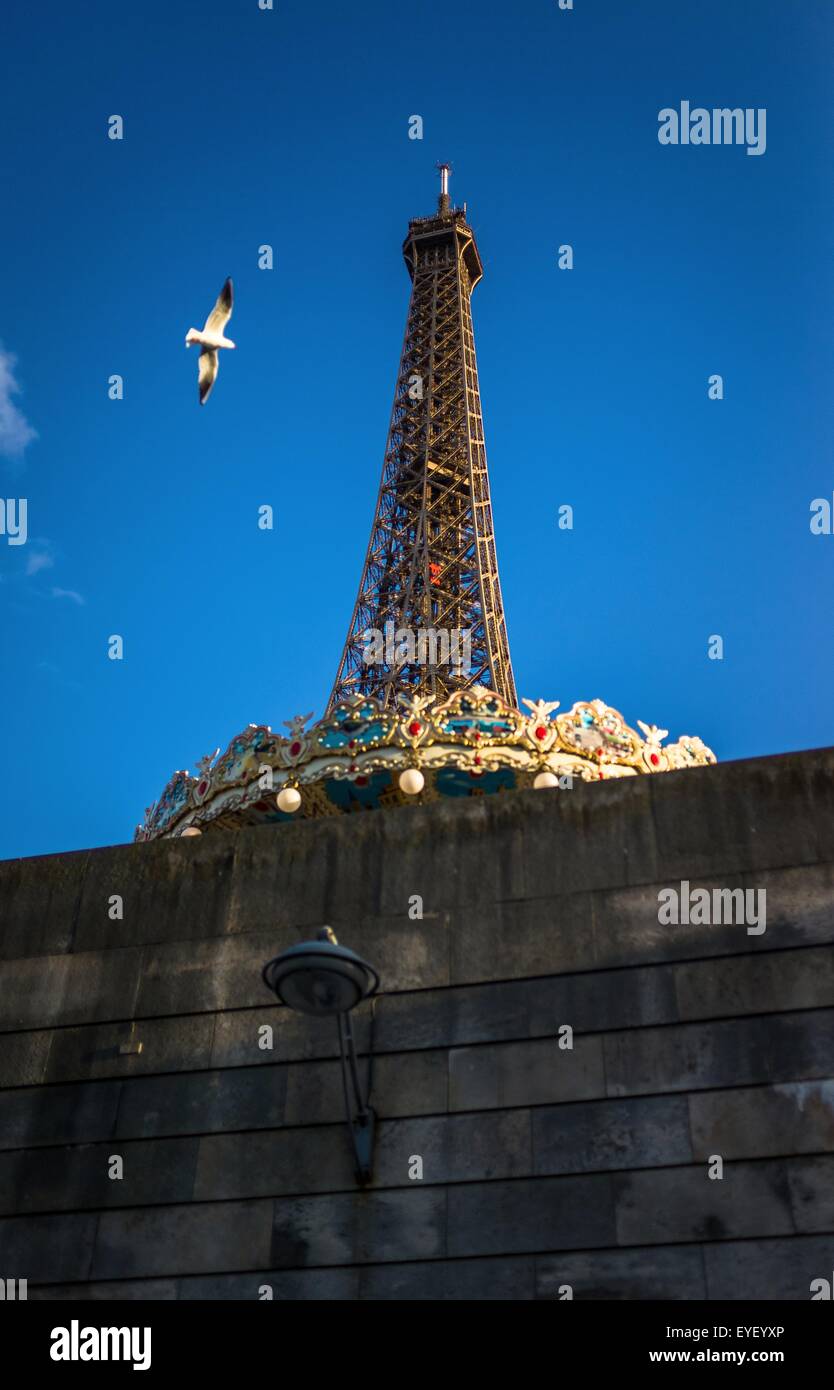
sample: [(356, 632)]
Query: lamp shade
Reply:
[(320, 977)]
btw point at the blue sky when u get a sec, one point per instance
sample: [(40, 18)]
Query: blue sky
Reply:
[(290, 127)]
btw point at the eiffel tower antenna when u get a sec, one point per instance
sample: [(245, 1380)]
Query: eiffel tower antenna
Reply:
[(443, 204), (431, 569)]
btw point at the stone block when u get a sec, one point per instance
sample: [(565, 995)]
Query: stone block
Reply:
[(658, 1273), (70, 1178), (203, 1103), (171, 890), (510, 940), (600, 1135), (792, 1118), (404, 1083), (23, 1058), (727, 1052), (768, 1270), (297, 1285), (528, 1073), (168, 1044), (38, 904), (47, 1249), (362, 1228), (760, 983), (506, 1280), (171, 1240), (454, 1148), (731, 818), (677, 1204), (526, 1216), (811, 1182), (79, 1114), (54, 991)]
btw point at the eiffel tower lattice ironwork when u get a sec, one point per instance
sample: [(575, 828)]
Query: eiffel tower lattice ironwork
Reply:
[(429, 617)]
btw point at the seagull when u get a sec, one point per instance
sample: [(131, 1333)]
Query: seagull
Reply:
[(211, 339)]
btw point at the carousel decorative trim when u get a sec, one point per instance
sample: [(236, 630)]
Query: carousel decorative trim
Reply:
[(364, 757)]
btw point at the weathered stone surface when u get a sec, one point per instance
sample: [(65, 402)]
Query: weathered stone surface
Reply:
[(364, 1227), (121, 1290), (675, 1204), (199, 976), (775, 982), (71, 1179), (737, 823), (57, 1114), (203, 1102), (170, 1240), (47, 1249), (528, 1073), (39, 904), (49, 991), (642, 1133), (792, 1118), (508, 1280), (541, 1166), (811, 1182), (528, 1216), (455, 1148), (800, 911), (299, 1285), (404, 1083), (168, 1044), (170, 891), (662, 1273), (515, 1009), (728, 1052), (23, 1058), (768, 1269), (522, 937), (272, 1162)]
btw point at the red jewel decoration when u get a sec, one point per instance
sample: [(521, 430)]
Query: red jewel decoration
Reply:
[(202, 789), (352, 767), (654, 759), (414, 727), (477, 734), (541, 732), (295, 749), (361, 781), (477, 759), (352, 743)]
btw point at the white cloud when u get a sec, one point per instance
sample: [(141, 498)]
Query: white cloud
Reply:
[(70, 594), (15, 430), (39, 560)]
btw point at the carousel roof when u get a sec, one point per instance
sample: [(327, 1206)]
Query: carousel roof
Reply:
[(362, 756)]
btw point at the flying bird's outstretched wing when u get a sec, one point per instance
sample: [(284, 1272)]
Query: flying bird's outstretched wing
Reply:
[(207, 373), (222, 311)]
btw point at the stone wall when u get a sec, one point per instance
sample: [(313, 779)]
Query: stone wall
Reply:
[(542, 1166)]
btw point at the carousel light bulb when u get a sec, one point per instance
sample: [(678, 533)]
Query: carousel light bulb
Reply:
[(288, 800), (412, 781), (546, 779)]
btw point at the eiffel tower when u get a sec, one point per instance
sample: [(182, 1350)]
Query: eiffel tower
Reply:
[(431, 567)]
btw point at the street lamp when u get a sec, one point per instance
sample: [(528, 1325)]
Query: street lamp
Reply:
[(321, 977)]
